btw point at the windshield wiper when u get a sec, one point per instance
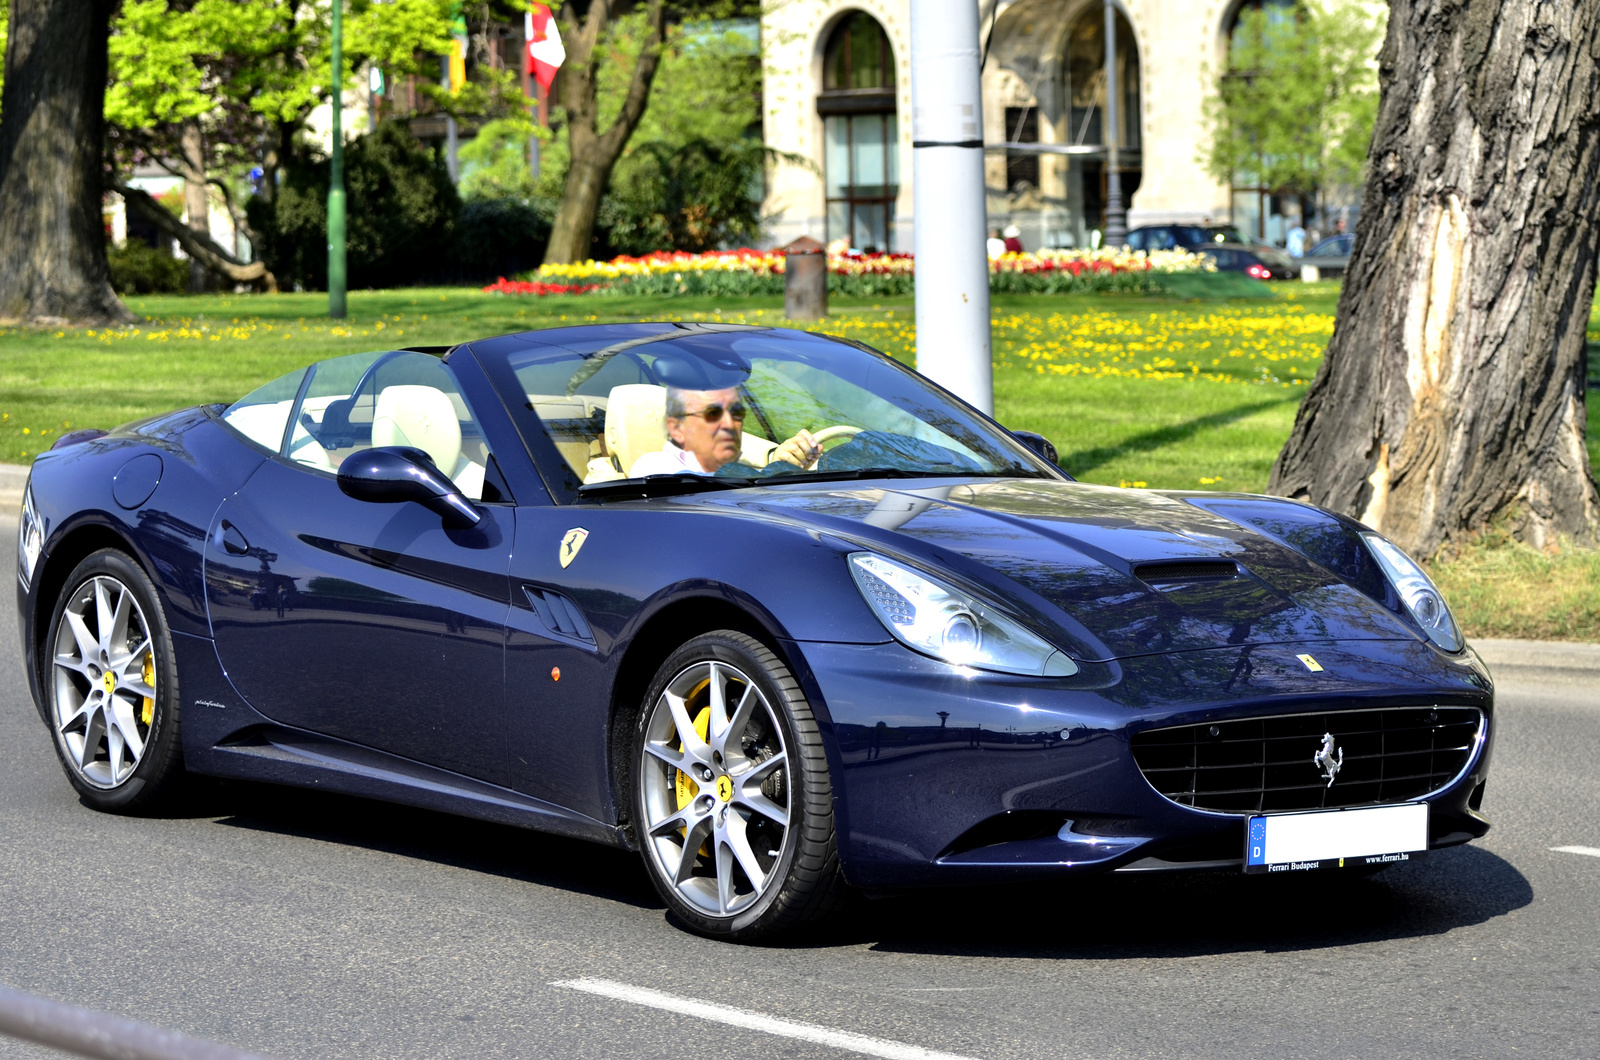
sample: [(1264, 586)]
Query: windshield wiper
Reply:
[(662, 485)]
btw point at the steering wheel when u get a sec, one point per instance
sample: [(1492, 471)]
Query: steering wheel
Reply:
[(840, 432)]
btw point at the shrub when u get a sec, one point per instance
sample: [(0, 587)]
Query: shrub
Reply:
[(139, 268), (400, 209), (499, 237)]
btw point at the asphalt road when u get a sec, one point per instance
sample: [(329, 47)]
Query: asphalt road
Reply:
[(305, 925)]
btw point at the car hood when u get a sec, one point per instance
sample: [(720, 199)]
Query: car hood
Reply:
[(1113, 569)]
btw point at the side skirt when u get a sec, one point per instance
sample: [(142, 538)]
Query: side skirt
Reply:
[(224, 736)]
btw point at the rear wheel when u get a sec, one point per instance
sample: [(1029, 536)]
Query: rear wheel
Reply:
[(731, 792), (112, 687)]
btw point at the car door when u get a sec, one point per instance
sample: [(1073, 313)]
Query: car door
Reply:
[(370, 622)]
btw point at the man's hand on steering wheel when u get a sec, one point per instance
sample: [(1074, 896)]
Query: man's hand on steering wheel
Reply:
[(802, 450)]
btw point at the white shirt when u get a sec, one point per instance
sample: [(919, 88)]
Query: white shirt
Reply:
[(670, 460)]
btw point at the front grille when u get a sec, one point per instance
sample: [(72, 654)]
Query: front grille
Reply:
[(1266, 765)]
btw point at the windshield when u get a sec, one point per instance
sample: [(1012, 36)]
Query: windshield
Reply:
[(723, 405)]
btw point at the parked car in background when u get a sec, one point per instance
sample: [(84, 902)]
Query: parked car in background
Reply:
[(1185, 237), (1256, 261), (1331, 256)]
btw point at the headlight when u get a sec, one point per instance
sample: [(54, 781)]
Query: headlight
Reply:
[(30, 539), (1417, 592), (950, 625)]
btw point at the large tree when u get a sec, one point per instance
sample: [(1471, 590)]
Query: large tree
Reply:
[(52, 243), (1452, 393), (594, 153)]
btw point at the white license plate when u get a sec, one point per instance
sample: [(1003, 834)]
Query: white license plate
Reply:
[(1326, 839)]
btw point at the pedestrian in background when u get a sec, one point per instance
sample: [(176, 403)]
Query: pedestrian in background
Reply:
[(1013, 240)]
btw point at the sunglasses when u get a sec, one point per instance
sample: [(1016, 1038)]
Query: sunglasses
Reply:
[(714, 413)]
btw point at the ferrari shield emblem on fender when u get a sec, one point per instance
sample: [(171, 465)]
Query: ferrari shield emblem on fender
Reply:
[(1310, 663), (572, 543)]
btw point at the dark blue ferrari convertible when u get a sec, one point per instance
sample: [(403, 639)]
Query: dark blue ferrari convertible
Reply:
[(766, 606)]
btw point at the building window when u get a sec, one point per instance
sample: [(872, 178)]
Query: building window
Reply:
[(1022, 167), (861, 160)]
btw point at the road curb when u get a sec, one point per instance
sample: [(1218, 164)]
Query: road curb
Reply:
[(1512, 656)]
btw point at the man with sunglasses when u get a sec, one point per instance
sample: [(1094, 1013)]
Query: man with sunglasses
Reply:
[(704, 432)]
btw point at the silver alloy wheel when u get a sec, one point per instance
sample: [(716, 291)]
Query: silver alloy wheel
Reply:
[(104, 681), (714, 787)]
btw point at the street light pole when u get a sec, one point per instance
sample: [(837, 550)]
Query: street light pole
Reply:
[(336, 258), (1116, 216), (948, 207)]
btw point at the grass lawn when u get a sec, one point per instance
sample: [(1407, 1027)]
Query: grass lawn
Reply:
[(1163, 393)]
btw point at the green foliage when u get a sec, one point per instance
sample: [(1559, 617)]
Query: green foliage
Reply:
[(499, 237), (138, 268), (690, 176), (494, 164), (5, 24), (402, 213), (696, 196), (1296, 107)]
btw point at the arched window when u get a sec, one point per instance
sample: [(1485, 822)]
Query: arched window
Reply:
[(861, 162)]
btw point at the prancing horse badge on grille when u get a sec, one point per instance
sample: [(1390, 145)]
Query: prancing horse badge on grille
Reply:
[(1325, 761)]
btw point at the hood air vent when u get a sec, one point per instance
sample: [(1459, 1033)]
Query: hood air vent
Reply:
[(1186, 571)]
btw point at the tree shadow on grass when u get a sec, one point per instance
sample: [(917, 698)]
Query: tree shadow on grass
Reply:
[(1086, 460), (1169, 915)]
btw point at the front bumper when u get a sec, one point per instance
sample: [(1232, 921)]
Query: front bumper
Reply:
[(944, 775)]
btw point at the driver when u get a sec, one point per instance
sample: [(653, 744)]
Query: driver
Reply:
[(704, 430)]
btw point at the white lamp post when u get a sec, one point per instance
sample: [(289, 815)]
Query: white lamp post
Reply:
[(949, 211)]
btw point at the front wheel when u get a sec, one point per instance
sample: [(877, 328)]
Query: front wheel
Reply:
[(731, 793), (111, 684)]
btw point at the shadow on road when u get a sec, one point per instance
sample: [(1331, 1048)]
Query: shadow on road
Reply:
[(1097, 918), (1118, 917), (477, 846)]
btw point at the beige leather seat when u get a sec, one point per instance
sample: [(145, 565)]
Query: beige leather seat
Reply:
[(425, 418), (636, 423)]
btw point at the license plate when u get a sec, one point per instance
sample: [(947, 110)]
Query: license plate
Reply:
[(1330, 839)]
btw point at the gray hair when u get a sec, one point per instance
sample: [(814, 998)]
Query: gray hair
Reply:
[(675, 406)]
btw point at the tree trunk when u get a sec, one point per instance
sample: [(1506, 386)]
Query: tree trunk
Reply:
[(594, 153), (52, 130), (199, 246), (195, 200), (1452, 393)]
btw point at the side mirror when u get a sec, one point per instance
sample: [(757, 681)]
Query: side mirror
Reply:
[(395, 473), (1040, 445)]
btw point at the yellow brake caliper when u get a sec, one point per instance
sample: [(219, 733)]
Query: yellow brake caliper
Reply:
[(685, 788), (147, 712)]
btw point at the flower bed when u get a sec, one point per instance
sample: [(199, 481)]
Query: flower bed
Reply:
[(748, 272)]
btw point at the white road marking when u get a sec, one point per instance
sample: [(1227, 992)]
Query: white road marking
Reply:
[(1593, 852), (755, 1021)]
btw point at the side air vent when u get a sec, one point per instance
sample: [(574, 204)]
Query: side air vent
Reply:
[(1186, 571), (558, 614)]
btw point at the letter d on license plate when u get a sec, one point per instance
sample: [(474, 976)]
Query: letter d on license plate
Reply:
[(1325, 839)]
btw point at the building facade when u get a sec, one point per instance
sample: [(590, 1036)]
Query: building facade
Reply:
[(838, 100)]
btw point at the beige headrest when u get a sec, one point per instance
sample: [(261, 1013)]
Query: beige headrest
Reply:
[(422, 417), (636, 421)]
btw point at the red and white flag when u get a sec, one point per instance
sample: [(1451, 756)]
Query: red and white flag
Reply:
[(545, 51)]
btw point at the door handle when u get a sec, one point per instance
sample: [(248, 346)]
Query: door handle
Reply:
[(233, 541)]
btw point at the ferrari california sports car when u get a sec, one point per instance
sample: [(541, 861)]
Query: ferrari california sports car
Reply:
[(766, 606)]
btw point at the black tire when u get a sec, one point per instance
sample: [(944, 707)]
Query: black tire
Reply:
[(99, 764), (802, 883)]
